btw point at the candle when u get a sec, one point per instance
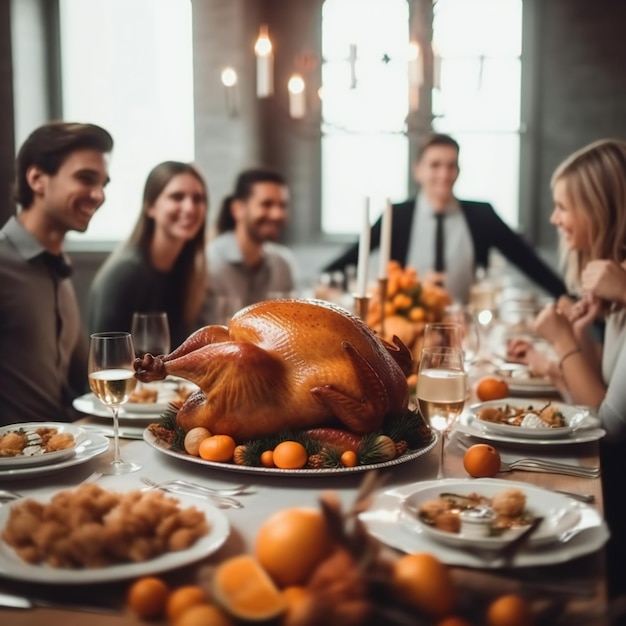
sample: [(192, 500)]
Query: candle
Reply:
[(297, 101), (416, 67), (352, 61), (364, 251), (385, 241), (229, 80), (264, 64)]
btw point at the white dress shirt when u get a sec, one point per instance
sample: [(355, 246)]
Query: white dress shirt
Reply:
[(458, 247)]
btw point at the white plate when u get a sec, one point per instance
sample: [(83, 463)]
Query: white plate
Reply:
[(90, 447), (12, 566), (467, 424), (520, 381), (385, 521), (572, 415), (161, 446), (559, 513), (41, 458)]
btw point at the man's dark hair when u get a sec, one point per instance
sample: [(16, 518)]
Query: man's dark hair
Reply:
[(49, 145), (243, 190), (436, 139)]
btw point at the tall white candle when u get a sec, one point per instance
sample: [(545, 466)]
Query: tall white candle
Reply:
[(264, 65), (297, 100), (364, 251), (385, 241)]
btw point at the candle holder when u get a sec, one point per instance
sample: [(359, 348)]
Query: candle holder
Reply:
[(361, 305), (382, 294)]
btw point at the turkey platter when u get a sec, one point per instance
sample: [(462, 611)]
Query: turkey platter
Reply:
[(286, 364)]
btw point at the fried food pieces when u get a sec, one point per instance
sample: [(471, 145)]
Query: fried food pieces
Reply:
[(37, 441), (550, 415), (91, 527)]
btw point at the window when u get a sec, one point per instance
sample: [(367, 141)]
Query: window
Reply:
[(364, 108), (127, 66), (477, 95)]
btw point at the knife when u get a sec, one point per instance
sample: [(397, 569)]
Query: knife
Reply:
[(15, 601), (124, 432)]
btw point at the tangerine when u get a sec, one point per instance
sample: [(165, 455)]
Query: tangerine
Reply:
[(422, 581), (349, 458), (267, 458), (509, 610), (147, 597), (491, 388), (481, 461), (203, 614), (246, 591), (298, 601), (182, 599), (217, 448), (292, 543), (290, 455)]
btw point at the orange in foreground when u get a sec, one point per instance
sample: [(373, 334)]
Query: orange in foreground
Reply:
[(490, 388), (147, 597), (204, 615), (421, 580), (217, 448), (481, 461), (292, 543), (245, 590), (509, 610), (184, 598)]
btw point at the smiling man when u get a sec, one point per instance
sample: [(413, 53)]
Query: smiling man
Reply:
[(61, 173), (245, 261), (447, 238)]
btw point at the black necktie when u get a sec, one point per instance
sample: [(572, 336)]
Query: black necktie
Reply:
[(57, 263), (440, 265)]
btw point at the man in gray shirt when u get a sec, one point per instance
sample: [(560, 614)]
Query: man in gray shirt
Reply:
[(245, 262), (61, 172)]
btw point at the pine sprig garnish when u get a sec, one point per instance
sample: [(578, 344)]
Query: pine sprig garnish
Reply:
[(168, 418), (178, 442), (409, 427), (331, 457)]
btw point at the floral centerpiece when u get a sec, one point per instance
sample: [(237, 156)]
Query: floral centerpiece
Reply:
[(409, 305)]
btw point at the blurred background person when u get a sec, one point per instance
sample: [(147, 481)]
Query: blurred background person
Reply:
[(445, 239), (61, 173), (246, 262), (162, 266)]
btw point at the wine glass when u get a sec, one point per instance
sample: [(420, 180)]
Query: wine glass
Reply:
[(441, 390), (468, 326), (151, 333), (442, 335), (112, 379)]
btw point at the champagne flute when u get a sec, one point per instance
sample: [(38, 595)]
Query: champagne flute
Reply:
[(112, 379), (151, 333), (468, 326), (441, 390)]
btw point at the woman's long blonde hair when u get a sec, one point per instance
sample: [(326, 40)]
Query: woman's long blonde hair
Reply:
[(191, 265), (595, 182)]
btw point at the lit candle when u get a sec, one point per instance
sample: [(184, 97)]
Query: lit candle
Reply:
[(385, 241), (297, 101), (264, 64), (364, 251), (229, 80), (416, 67)]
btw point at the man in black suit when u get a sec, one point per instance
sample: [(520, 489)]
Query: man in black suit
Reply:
[(450, 237)]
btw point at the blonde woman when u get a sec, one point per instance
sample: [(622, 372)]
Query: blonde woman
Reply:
[(162, 266)]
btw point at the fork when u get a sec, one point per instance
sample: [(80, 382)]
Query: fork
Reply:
[(174, 486), (6, 495), (549, 467), (237, 490)]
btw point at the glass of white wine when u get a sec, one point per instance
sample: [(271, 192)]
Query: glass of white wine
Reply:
[(112, 379), (441, 391)]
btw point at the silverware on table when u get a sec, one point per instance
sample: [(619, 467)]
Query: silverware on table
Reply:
[(16, 601), (193, 489), (549, 467)]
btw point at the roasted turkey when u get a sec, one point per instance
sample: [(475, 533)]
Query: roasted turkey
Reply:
[(286, 364)]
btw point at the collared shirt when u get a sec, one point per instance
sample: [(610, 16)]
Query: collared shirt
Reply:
[(229, 276), (458, 247), (43, 360)]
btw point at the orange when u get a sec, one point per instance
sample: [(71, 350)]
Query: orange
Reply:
[(217, 448), (147, 596), (292, 543), (245, 590), (267, 458), (422, 581), (182, 599), (290, 455), (203, 615), (481, 461), (490, 388), (509, 610), (349, 458), (453, 621), (297, 599)]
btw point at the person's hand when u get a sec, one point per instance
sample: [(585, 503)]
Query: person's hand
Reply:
[(604, 279), (517, 350), (540, 364), (555, 327)]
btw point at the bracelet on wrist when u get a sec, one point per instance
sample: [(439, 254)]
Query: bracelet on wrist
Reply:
[(568, 354)]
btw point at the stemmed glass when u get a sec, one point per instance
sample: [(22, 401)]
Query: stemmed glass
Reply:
[(468, 325), (441, 391), (442, 335), (151, 333), (112, 379)]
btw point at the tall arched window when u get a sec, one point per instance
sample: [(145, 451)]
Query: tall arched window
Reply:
[(364, 108), (128, 67)]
